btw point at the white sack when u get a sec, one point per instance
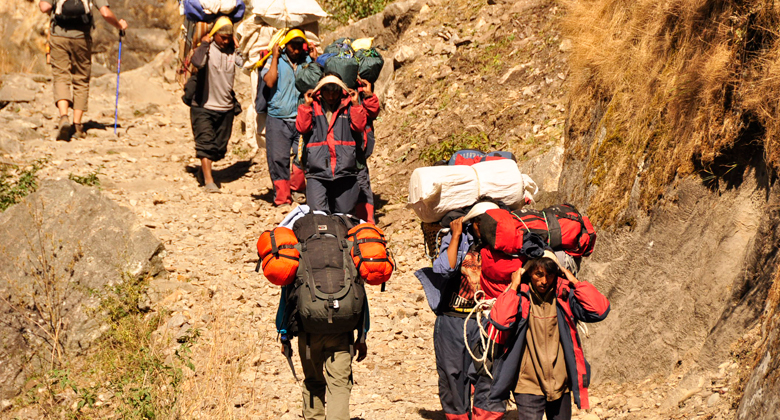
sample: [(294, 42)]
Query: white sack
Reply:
[(288, 13), (502, 181), (216, 7), (436, 190), (254, 35)]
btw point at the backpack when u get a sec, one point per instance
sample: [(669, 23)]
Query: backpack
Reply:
[(563, 227), (73, 12), (346, 66), (328, 296), (307, 77), (370, 64)]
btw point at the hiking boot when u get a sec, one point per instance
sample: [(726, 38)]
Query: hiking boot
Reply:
[(298, 197), (80, 132), (63, 132)]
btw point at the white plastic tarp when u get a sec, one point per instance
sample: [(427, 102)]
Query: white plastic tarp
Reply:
[(436, 190), (254, 36), (288, 13), (216, 7)]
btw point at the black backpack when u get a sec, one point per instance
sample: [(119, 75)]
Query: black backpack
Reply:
[(328, 296), (72, 12)]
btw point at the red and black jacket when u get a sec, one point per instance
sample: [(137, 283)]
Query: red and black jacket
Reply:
[(510, 315), (371, 104), (331, 146)]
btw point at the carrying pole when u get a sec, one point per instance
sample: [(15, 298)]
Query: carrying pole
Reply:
[(118, 70)]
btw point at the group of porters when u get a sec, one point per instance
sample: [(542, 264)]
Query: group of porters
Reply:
[(270, 22), (322, 262)]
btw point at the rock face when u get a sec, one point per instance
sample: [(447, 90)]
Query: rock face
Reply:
[(677, 283), (62, 246)]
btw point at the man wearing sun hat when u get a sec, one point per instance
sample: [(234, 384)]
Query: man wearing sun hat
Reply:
[(288, 56), (332, 120)]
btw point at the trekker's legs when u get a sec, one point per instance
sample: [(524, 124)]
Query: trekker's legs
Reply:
[(313, 386), (317, 194), (452, 361), (338, 375), (205, 166), (60, 69), (343, 195), (485, 408), (81, 69), (211, 130), (365, 206), (331, 352), (531, 407), (279, 140), (297, 176)]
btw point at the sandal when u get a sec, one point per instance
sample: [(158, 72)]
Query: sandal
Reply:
[(211, 188)]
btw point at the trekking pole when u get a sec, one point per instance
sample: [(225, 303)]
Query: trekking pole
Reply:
[(118, 70)]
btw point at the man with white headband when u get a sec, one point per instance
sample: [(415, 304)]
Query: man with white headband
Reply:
[(332, 121)]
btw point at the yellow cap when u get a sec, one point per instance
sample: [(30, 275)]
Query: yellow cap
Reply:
[(295, 33), (222, 21)]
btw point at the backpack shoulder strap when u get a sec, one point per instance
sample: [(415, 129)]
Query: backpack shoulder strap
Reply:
[(554, 239)]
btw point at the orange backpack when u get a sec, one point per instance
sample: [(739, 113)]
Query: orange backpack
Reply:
[(370, 254), (279, 257)]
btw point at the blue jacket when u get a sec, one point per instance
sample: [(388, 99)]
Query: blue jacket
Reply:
[(283, 102)]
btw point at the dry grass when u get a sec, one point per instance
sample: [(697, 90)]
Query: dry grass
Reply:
[(225, 353), (668, 89)]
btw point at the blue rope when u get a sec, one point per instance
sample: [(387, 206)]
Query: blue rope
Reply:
[(118, 67)]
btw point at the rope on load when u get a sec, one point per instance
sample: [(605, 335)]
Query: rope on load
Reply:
[(486, 339)]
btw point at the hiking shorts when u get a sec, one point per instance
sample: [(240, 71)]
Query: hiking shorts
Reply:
[(212, 131), (71, 64)]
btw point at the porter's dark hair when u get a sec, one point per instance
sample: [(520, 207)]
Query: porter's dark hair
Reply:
[(549, 266)]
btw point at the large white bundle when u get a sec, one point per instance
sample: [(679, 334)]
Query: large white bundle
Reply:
[(502, 181), (216, 7), (436, 190), (254, 36), (288, 13)]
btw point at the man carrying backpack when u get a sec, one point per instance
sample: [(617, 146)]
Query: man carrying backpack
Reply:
[(71, 56), (323, 306), (280, 133), (214, 104), (332, 121)]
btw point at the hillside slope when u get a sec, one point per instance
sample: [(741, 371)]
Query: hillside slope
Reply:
[(689, 274)]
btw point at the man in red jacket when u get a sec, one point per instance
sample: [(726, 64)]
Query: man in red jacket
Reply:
[(332, 121), (543, 363)]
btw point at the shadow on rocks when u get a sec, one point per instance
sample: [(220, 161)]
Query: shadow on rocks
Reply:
[(224, 175)]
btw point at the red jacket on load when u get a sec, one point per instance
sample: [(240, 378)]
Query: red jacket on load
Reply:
[(509, 315), (331, 146)]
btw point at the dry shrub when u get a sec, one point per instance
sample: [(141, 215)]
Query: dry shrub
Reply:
[(665, 89)]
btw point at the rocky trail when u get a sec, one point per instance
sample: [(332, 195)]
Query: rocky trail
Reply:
[(213, 293)]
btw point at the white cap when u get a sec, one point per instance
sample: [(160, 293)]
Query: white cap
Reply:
[(331, 79), (479, 208)]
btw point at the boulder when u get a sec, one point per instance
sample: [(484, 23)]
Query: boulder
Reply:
[(18, 87), (62, 247)]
